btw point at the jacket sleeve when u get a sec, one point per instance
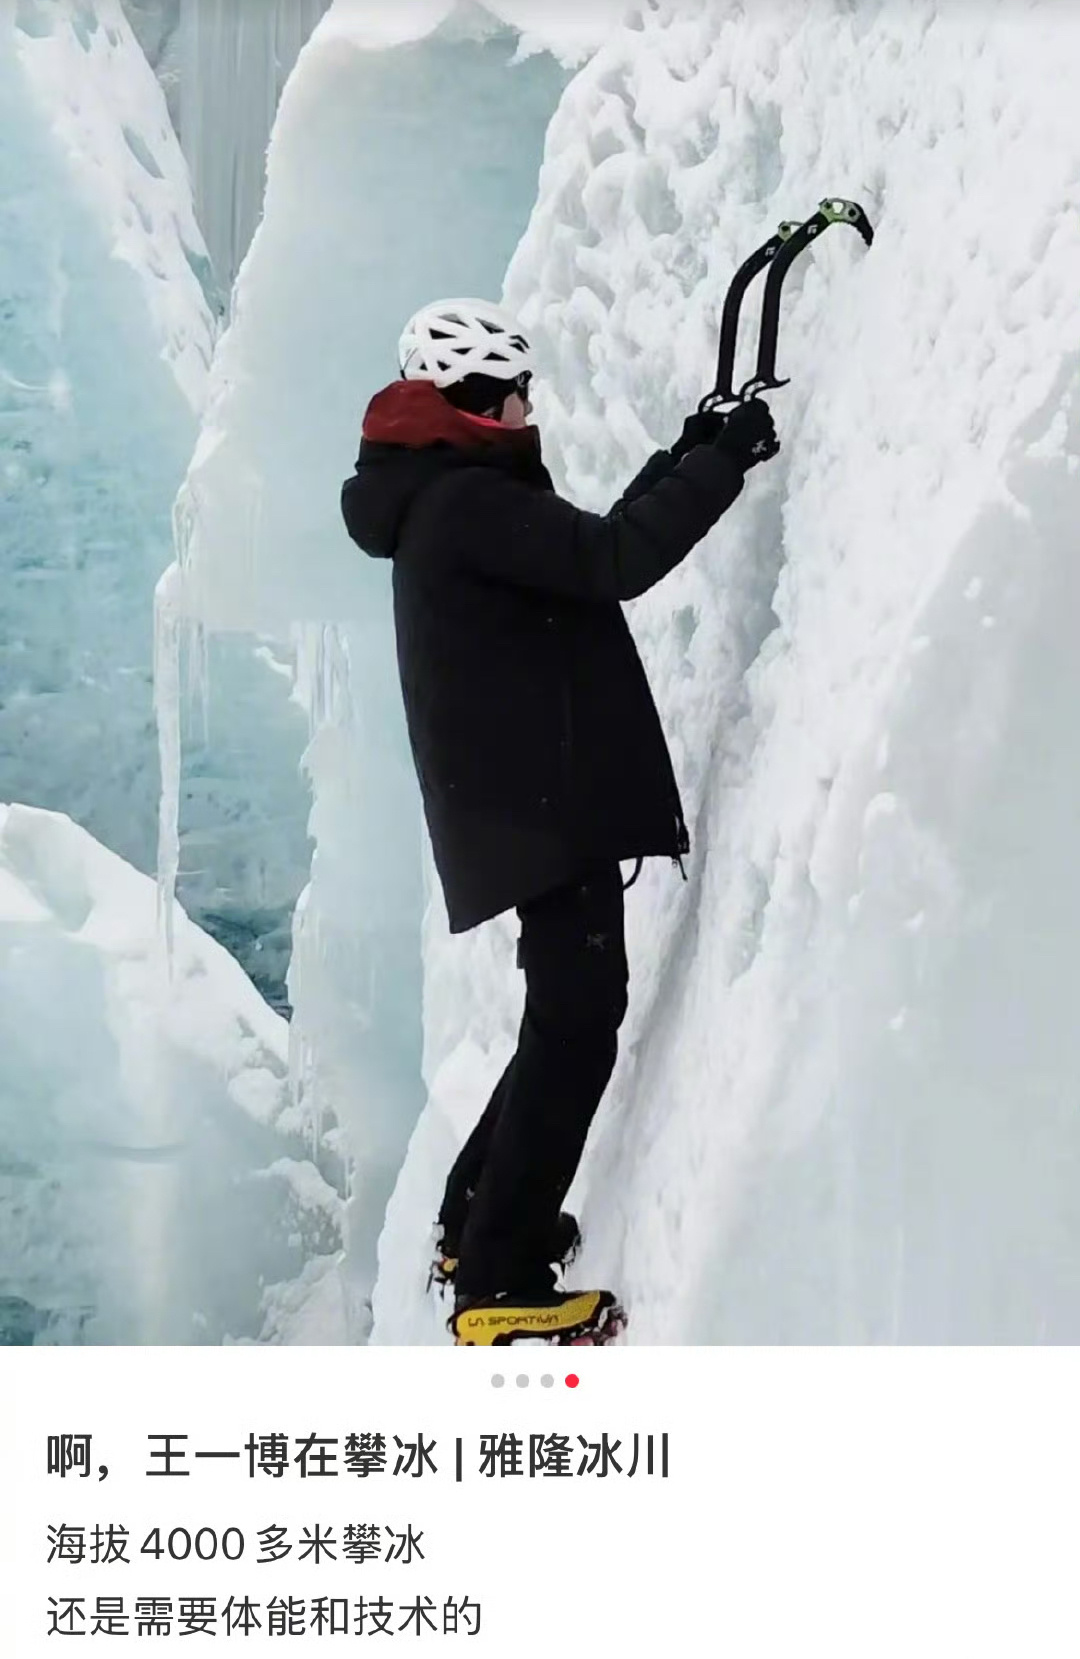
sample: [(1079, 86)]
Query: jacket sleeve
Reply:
[(534, 539), (660, 465), (656, 467)]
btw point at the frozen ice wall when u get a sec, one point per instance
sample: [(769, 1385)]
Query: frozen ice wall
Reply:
[(103, 355), (103, 363), (399, 168), (234, 57), (222, 65), (845, 1105), (156, 26), (154, 1187)]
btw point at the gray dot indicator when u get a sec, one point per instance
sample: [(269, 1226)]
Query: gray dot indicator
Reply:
[(497, 1380), (546, 1380), (523, 1382)]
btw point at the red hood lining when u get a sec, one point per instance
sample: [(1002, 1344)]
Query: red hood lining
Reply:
[(414, 413)]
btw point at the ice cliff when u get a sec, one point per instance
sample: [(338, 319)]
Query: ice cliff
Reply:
[(844, 1108)]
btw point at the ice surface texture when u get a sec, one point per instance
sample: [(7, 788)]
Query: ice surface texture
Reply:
[(104, 353), (104, 345)]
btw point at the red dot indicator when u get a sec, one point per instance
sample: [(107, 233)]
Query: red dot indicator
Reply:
[(571, 1381)]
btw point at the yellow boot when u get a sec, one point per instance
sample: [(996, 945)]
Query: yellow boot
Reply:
[(590, 1318)]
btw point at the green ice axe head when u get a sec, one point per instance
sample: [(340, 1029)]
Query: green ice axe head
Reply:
[(836, 211)]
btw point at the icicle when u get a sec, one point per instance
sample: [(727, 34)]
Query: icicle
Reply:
[(167, 648), (180, 655), (308, 646)]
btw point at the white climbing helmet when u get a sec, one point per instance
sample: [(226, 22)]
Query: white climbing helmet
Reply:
[(446, 341)]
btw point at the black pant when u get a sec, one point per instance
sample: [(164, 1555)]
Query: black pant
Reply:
[(504, 1192)]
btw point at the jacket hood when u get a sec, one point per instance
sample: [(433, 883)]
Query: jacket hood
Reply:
[(410, 436)]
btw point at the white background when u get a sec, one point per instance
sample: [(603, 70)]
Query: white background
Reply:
[(861, 1501)]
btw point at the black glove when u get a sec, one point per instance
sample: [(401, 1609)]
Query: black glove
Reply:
[(748, 434), (704, 427)]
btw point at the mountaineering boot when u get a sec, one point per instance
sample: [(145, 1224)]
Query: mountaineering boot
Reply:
[(565, 1244), (567, 1318)]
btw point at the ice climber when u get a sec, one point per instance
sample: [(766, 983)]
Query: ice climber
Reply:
[(540, 755)]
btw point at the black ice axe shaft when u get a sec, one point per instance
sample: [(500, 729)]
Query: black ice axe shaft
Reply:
[(778, 255)]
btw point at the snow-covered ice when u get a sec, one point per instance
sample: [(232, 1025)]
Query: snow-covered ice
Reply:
[(155, 1186), (156, 26), (569, 33)]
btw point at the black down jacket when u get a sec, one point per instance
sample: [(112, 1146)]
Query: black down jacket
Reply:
[(535, 736)]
